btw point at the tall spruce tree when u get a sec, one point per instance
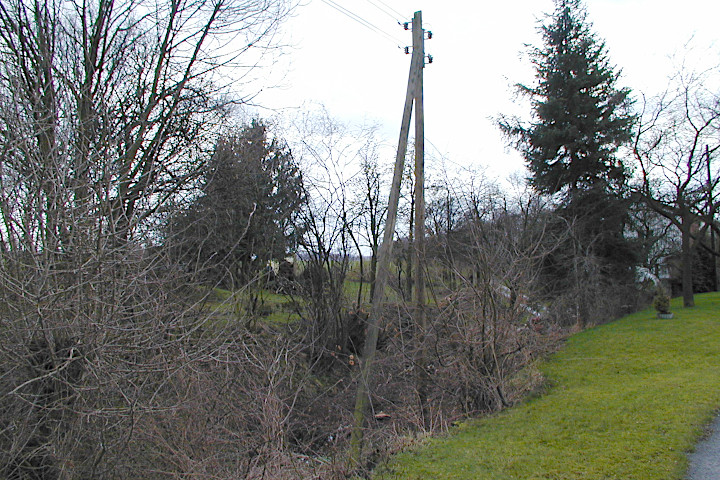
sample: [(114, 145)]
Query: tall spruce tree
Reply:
[(580, 118)]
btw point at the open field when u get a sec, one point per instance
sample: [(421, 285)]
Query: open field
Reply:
[(626, 400)]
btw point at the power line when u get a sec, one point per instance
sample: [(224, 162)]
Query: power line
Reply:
[(391, 13), (357, 18), (399, 15)]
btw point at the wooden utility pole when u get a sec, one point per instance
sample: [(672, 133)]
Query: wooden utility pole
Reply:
[(421, 329), (419, 236), (385, 254)]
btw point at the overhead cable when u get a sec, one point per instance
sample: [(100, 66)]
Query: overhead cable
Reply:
[(365, 23), (391, 13), (399, 15)]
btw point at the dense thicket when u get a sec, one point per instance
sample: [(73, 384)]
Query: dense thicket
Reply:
[(105, 108), (122, 204)]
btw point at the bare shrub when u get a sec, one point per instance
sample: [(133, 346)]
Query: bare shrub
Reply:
[(482, 342)]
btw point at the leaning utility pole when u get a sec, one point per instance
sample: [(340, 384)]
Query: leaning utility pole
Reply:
[(414, 91)]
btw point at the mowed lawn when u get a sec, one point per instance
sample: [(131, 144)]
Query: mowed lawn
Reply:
[(626, 400)]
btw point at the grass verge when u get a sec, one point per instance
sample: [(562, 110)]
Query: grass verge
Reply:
[(626, 400)]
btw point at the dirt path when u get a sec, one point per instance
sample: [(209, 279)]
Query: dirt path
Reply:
[(705, 461)]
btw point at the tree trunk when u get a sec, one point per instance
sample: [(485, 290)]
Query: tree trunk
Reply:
[(716, 261), (411, 245), (373, 270), (687, 264)]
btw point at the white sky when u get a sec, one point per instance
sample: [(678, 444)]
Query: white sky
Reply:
[(478, 51)]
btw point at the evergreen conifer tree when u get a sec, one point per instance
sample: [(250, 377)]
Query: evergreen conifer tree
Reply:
[(580, 117), (251, 191)]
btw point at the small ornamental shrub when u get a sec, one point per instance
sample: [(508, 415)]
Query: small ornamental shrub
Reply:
[(662, 303)]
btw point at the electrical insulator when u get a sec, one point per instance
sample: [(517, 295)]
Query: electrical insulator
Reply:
[(407, 50), (405, 26), (429, 35), (429, 58)]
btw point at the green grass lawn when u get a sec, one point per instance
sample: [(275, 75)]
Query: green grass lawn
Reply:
[(626, 400)]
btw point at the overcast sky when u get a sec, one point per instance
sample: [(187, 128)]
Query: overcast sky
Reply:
[(479, 50)]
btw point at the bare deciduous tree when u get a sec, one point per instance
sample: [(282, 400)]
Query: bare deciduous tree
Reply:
[(369, 205), (325, 150), (676, 137)]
